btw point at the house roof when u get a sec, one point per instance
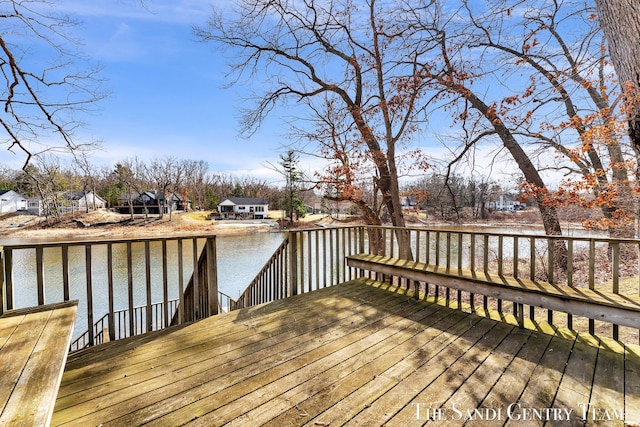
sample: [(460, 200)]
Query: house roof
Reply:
[(3, 192), (79, 195), (245, 200), (135, 195)]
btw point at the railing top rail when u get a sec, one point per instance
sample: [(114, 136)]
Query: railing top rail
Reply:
[(225, 295), (102, 241), (326, 227), (512, 234)]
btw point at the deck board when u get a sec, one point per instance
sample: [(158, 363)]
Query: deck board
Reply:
[(360, 353), (33, 349)]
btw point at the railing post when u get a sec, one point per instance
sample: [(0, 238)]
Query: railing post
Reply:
[(111, 319), (147, 272), (165, 286), (293, 263), (212, 277), (8, 278), (1, 280), (87, 263), (196, 281), (40, 274), (181, 303)]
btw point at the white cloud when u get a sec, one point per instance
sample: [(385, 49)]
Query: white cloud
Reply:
[(175, 11)]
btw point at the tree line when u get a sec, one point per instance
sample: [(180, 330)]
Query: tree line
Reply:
[(49, 176), (452, 198)]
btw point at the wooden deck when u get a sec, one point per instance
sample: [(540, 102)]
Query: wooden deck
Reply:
[(359, 354), (33, 350)]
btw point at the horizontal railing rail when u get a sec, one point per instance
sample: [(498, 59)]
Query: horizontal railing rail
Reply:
[(138, 276)]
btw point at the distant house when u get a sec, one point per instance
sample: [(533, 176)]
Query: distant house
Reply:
[(243, 208), (408, 202), (504, 203), (68, 201), (79, 200), (35, 206), (153, 201), (10, 201), (178, 202)]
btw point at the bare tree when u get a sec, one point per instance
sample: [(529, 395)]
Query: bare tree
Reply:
[(359, 55), (161, 171), (46, 178), (44, 85), (195, 179), (569, 104)]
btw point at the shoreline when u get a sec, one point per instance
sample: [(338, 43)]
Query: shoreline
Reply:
[(105, 225), (21, 229)]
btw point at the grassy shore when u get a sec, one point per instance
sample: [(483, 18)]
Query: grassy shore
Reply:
[(103, 224)]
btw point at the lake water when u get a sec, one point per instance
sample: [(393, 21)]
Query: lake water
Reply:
[(240, 258)]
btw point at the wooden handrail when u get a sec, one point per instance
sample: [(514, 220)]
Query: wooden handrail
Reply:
[(95, 283), (591, 262), (604, 306)]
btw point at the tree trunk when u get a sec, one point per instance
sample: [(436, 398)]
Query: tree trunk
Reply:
[(620, 21), (549, 213)]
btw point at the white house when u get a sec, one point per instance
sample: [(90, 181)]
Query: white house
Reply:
[(243, 208), (79, 200), (506, 204), (10, 201), (70, 201), (35, 206)]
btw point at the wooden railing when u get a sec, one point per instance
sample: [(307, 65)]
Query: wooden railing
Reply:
[(315, 258), (306, 260), (127, 284), (121, 324)]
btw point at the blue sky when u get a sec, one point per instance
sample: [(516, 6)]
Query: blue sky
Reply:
[(167, 95), (166, 88)]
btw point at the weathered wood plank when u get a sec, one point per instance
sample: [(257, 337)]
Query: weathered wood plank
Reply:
[(185, 341), (359, 353), (632, 383), (209, 395), (16, 351), (392, 408), (206, 367), (7, 327), (193, 359), (607, 395), (408, 376), (542, 387), (306, 401), (32, 361), (281, 389), (96, 361), (577, 380), (469, 396)]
